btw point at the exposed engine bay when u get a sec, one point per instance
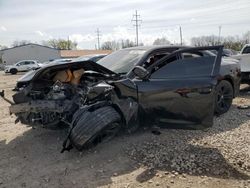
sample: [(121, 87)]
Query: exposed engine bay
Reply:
[(56, 96), (92, 101)]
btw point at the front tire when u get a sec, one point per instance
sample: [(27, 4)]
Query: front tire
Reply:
[(13, 71), (94, 127), (223, 97)]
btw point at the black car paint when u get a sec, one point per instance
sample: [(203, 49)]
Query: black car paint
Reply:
[(187, 101)]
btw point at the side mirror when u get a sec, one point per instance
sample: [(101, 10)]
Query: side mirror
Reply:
[(141, 72)]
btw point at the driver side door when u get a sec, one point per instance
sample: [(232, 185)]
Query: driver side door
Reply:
[(180, 91)]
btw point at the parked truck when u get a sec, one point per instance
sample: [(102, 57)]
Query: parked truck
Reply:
[(244, 59)]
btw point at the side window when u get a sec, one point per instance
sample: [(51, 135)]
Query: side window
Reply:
[(21, 63), (246, 50), (190, 65), (154, 58), (191, 55), (27, 62)]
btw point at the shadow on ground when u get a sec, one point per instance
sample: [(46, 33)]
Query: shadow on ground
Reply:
[(34, 159)]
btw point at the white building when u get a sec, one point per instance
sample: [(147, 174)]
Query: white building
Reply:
[(30, 51)]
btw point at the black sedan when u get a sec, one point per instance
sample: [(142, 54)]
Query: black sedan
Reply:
[(131, 87)]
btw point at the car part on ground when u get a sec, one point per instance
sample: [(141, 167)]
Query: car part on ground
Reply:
[(172, 90)]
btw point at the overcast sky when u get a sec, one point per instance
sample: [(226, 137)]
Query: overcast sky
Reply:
[(37, 20)]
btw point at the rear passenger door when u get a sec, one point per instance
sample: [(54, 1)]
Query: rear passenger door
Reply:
[(180, 89), (29, 65)]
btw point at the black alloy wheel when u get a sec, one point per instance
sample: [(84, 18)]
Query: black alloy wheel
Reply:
[(224, 97)]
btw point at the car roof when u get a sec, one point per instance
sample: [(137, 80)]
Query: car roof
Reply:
[(154, 47), (27, 60)]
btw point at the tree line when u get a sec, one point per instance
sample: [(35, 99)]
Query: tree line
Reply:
[(231, 42), (59, 44)]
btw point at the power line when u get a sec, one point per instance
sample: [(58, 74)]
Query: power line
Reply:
[(98, 38), (137, 21)]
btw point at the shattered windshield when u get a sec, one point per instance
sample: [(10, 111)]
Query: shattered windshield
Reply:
[(122, 61)]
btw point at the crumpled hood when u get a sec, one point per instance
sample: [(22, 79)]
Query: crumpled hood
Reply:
[(28, 76), (88, 65)]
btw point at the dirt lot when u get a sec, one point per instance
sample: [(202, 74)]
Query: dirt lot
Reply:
[(218, 157)]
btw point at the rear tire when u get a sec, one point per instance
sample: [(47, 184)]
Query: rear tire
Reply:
[(13, 71), (224, 97), (94, 127)]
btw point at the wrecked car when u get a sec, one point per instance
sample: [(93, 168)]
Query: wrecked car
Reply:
[(97, 100)]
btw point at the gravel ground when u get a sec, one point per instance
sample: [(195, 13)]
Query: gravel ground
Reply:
[(217, 157), (222, 151)]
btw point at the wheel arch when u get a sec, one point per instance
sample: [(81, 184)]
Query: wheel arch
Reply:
[(230, 80), (119, 111)]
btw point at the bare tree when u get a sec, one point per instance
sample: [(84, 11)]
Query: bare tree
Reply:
[(232, 42), (2, 47), (246, 37), (111, 45), (127, 43), (161, 41), (61, 44), (19, 43)]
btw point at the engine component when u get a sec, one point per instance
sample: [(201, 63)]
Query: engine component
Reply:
[(60, 91), (99, 89), (43, 119)]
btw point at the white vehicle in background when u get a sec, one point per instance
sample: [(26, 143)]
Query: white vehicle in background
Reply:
[(22, 66), (244, 60)]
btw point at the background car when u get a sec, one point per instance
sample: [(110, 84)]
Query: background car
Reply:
[(21, 66), (244, 60)]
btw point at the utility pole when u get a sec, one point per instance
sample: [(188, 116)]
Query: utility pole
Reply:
[(98, 38), (181, 35), (136, 20), (68, 44), (219, 33)]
